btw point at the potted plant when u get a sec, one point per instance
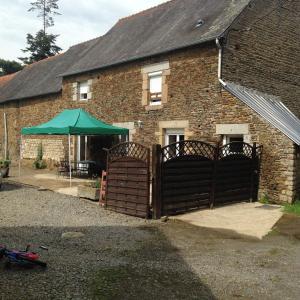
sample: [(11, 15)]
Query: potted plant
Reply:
[(4, 167), (90, 191)]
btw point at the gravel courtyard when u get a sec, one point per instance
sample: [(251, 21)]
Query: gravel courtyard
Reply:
[(121, 257)]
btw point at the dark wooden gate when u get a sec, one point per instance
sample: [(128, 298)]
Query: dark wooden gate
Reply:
[(192, 174), (237, 173), (128, 184), (186, 176)]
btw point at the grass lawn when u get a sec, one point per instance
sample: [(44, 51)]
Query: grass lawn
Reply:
[(292, 208)]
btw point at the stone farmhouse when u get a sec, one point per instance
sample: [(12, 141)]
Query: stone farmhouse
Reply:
[(210, 70)]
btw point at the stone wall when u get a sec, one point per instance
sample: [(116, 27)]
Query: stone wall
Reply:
[(297, 171), (278, 169), (195, 101), (12, 112), (52, 148), (117, 93), (27, 113), (262, 50)]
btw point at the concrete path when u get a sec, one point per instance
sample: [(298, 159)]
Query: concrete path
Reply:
[(46, 179), (71, 191), (251, 219)]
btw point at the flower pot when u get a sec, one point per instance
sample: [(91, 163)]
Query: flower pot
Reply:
[(88, 192), (4, 171)]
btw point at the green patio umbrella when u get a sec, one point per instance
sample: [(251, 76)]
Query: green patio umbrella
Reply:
[(73, 122)]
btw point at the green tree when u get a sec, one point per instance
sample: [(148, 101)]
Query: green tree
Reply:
[(40, 47), (46, 9), (9, 67)]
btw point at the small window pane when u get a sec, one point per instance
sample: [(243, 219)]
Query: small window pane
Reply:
[(83, 96), (236, 139), (83, 90), (237, 144), (155, 88), (156, 84), (83, 86), (172, 139)]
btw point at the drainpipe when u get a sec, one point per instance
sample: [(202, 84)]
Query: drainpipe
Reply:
[(218, 43), (5, 135)]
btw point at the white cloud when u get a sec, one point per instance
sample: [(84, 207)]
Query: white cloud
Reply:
[(81, 20)]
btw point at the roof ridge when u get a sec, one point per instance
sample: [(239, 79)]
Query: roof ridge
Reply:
[(146, 10), (87, 41), (44, 59)]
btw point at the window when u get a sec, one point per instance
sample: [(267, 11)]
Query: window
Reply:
[(83, 90), (82, 142), (123, 139), (237, 142), (174, 136), (155, 85), (155, 88)]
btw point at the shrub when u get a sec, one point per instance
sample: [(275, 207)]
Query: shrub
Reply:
[(265, 199), (96, 184), (4, 163), (292, 208), (39, 163)]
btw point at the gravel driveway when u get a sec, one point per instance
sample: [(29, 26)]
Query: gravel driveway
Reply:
[(120, 257)]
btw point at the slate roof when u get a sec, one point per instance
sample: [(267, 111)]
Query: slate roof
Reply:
[(270, 108), (6, 78), (42, 78), (167, 27)]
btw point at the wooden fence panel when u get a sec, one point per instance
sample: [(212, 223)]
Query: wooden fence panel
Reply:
[(192, 174), (128, 183), (186, 176)]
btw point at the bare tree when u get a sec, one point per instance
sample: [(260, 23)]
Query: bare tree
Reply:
[(46, 10)]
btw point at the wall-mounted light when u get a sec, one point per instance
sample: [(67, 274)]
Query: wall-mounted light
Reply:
[(138, 124)]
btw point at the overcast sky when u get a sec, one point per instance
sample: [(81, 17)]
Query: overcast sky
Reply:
[(80, 20)]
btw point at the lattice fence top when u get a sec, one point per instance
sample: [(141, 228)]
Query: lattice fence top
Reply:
[(130, 150), (188, 148), (205, 150), (236, 148)]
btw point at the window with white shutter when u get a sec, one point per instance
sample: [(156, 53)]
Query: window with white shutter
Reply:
[(155, 88), (83, 91)]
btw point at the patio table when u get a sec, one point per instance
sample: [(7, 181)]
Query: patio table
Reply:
[(86, 168)]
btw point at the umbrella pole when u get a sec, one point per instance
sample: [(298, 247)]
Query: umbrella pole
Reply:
[(20, 155), (85, 148), (70, 167)]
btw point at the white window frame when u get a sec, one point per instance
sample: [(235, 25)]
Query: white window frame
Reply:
[(178, 132), (173, 131), (79, 148), (155, 75), (83, 89)]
